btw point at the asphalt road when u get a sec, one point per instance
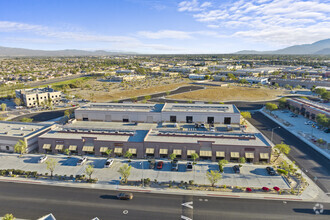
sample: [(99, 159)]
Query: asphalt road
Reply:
[(305, 156), (32, 201)]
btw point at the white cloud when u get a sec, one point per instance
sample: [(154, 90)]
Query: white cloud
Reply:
[(268, 20), (165, 34), (173, 34), (193, 5)]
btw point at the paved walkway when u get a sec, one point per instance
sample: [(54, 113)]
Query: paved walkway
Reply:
[(297, 127)]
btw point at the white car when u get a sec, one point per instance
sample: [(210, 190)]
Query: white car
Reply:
[(81, 161), (42, 159), (212, 129), (308, 123), (108, 163)]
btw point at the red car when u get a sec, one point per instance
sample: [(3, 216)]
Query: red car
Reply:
[(160, 165), (265, 188), (276, 188), (248, 189)]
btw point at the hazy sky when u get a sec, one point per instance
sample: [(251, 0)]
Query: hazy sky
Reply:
[(163, 26)]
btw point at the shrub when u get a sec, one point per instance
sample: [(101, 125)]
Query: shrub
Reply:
[(191, 182), (220, 168), (281, 171), (224, 186)]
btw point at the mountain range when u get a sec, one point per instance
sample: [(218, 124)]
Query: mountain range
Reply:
[(321, 47)]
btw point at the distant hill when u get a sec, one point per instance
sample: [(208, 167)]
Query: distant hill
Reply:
[(19, 52), (319, 47)]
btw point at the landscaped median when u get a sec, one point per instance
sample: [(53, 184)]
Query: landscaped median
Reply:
[(38, 176)]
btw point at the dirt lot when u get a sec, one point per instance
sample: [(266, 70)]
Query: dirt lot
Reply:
[(232, 93), (103, 91)]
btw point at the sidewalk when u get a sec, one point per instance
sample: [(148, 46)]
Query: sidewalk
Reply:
[(299, 130)]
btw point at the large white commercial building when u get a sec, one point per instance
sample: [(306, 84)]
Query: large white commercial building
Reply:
[(155, 113)]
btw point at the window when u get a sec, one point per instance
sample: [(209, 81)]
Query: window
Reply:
[(125, 120), (210, 120), (7, 147), (172, 118), (189, 119), (227, 120)]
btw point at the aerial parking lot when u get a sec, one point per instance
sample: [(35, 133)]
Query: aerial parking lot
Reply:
[(250, 175)]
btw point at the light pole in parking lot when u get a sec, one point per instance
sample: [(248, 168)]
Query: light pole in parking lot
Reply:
[(271, 139), (142, 174)]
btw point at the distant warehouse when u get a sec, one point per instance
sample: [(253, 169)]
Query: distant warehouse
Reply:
[(155, 113)]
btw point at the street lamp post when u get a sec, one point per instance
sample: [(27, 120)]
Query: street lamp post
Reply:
[(142, 174), (271, 139)]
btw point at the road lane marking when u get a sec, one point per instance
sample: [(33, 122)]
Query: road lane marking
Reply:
[(188, 204), (185, 217), (125, 212)]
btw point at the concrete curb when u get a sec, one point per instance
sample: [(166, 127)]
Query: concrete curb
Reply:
[(297, 135)]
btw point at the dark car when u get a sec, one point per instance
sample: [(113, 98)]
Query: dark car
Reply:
[(125, 196), (196, 125), (236, 169), (271, 171), (160, 165), (327, 130)]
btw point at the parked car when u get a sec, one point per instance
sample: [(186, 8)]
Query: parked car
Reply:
[(81, 161), (152, 164), (189, 166), (276, 188), (175, 165), (125, 196), (271, 171), (160, 165), (196, 125), (202, 125), (308, 123), (212, 129), (236, 169), (108, 163), (248, 189), (42, 159), (327, 130), (265, 189)]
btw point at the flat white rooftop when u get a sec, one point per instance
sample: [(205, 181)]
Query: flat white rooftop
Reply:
[(20, 129)]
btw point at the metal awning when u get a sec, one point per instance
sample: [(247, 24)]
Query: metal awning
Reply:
[(163, 151), (46, 146), (190, 152), (264, 156), (150, 151), (205, 153), (177, 152), (88, 148), (73, 147), (103, 149), (118, 150), (220, 154), (234, 154), (132, 150), (249, 155), (59, 147)]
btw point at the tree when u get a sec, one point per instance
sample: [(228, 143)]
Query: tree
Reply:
[(323, 120), (283, 149), (271, 106), (207, 77), (108, 152), (231, 76), (172, 156), (223, 162), (222, 79), (67, 113), (8, 217), (128, 155), (125, 171), (243, 81), (89, 171), (320, 91), (326, 96), (26, 119), (276, 85), (51, 164), (246, 115), (194, 156), (17, 101), (282, 102), (147, 97), (67, 152), (20, 147), (298, 87), (242, 160), (213, 176), (3, 106)]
